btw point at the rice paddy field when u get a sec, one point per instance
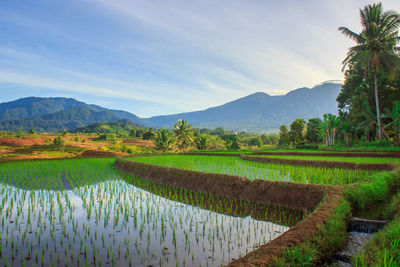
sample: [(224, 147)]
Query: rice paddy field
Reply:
[(258, 170), (81, 212), (357, 160)]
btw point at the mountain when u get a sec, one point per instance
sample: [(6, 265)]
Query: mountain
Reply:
[(52, 114), (260, 112), (29, 107), (67, 119), (122, 126)]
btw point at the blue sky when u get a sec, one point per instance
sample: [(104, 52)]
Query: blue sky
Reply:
[(161, 57)]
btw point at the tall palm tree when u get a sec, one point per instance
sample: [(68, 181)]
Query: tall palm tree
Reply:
[(163, 140), (376, 44), (183, 133)]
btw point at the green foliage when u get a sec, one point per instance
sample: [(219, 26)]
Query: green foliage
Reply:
[(375, 51), (329, 127), (163, 140), (296, 133), (19, 133), (58, 142), (201, 142), (321, 247), (32, 131), (124, 126), (314, 128), (148, 134), (284, 138), (394, 121), (369, 193), (184, 134), (384, 248), (232, 142)]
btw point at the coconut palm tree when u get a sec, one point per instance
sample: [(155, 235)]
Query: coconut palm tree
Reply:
[(202, 142), (184, 134), (163, 140), (376, 45)]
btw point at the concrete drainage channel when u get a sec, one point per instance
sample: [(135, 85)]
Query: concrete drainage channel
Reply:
[(360, 231)]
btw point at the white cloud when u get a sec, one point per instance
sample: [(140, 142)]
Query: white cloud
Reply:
[(184, 55)]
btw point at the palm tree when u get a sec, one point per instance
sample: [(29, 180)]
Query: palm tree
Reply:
[(394, 116), (163, 140), (376, 44), (202, 142), (183, 133), (330, 123), (370, 122)]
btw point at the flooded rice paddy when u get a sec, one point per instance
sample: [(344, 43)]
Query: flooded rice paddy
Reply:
[(83, 213)]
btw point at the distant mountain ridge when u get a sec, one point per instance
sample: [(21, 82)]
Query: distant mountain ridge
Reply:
[(258, 112), (261, 112)]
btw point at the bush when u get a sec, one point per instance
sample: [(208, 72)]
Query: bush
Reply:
[(369, 193)]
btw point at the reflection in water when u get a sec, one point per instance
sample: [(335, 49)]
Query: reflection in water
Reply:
[(104, 220)]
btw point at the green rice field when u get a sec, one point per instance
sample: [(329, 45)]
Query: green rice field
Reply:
[(357, 160), (80, 212), (258, 170)]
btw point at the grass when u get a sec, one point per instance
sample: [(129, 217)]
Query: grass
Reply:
[(320, 248), (384, 248), (258, 170), (376, 190), (356, 160)]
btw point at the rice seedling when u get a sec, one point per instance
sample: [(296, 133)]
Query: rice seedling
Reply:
[(82, 212), (356, 160), (258, 170)]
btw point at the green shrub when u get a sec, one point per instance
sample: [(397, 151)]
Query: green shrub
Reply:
[(369, 193)]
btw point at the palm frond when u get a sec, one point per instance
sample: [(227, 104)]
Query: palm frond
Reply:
[(352, 35)]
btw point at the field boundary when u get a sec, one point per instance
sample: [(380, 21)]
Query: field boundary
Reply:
[(322, 163)]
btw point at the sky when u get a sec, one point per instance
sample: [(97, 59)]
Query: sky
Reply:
[(164, 56)]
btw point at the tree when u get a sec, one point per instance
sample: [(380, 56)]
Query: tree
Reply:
[(32, 131), (329, 126), (314, 126), (58, 142), (163, 140), (132, 133), (232, 142), (394, 117), (255, 141), (148, 134), (184, 134), (376, 45), (284, 138), (296, 133), (202, 142)]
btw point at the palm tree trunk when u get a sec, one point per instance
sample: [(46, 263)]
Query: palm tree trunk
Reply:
[(377, 107)]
